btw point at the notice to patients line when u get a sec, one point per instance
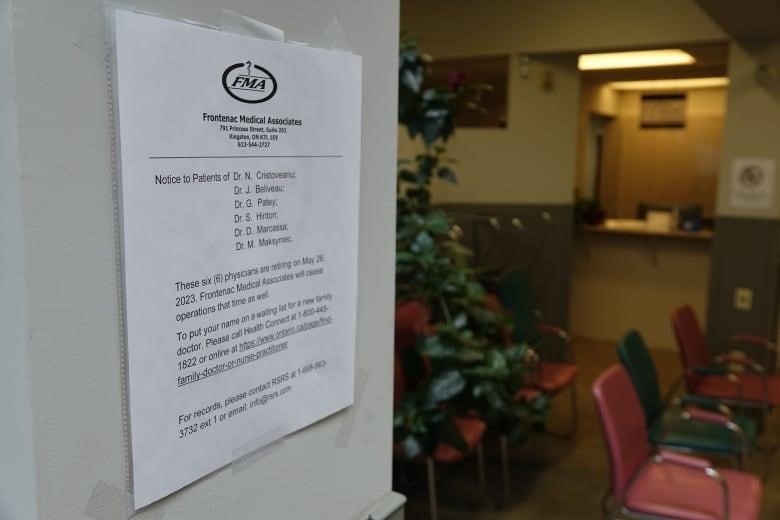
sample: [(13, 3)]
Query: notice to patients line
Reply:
[(245, 156)]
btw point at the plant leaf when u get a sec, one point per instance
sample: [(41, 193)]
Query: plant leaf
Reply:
[(446, 174), (412, 447), (445, 386)]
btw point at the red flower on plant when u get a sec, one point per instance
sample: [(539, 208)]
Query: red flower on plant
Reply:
[(456, 80)]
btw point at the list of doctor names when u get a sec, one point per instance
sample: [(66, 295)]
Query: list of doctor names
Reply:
[(243, 320)]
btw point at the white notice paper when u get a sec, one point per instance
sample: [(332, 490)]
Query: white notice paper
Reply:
[(752, 183), (239, 163)]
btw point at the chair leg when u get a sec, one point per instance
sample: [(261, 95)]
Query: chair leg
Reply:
[(605, 498), (481, 470), (574, 418), (771, 425), (432, 489), (505, 466)]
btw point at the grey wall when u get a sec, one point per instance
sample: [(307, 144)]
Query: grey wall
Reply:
[(745, 253), (60, 386), (17, 473), (543, 247), (746, 249)]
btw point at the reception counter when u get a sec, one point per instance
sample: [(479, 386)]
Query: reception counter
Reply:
[(627, 276), (639, 228)]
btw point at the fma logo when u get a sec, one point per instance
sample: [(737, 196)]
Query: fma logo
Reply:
[(249, 83)]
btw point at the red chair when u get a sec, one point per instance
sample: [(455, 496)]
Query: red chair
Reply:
[(552, 378), (411, 322), (753, 386), (545, 377), (668, 484)]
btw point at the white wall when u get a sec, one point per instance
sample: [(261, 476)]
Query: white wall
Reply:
[(17, 469), (621, 283), (59, 211), (533, 159)]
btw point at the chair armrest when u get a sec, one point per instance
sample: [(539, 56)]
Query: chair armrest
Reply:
[(770, 349), (709, 403), (554, 331), (739, 360), (681, 459), (722, 370), (717, 370), (751, 339), (724, 419), (696, 463), (697, 414)]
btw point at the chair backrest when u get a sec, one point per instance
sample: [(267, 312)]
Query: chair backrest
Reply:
[(411, 319), (636, 359), (399, 381), (691, 344), (622, 424), (411, 323), (516, 295)]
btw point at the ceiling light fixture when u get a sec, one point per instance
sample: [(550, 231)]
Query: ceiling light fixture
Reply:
[(628, 60), (670, 84)]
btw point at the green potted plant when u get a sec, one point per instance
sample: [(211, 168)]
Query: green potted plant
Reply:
[(469, 366)]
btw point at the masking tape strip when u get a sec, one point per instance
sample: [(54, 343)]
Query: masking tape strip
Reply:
[(107, 503), (348, 422), (257, 449), (336, 36), (299, 28), (240, 24), (96, 40), (111, 503)]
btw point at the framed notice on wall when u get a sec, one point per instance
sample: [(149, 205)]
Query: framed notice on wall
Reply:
[(662, 111), (239, 163)]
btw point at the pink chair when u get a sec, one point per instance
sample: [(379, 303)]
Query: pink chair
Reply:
[(754, 387), (668, 484)]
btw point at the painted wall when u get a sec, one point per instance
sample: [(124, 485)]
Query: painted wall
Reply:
[(675, 166), (17, 469), (747, 242), (534, 160), (455, 28), (61, 302), (600, 100), (623, 282), (752, 122)]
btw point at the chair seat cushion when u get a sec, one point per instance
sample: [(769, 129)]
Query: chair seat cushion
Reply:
[(554, 377), (472, 430), (673, 491), (701, 436), (752, 388)]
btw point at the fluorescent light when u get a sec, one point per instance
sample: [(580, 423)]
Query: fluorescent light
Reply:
[(670, 84), (628, 60)]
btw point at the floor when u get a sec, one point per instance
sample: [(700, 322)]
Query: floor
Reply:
[(552, 478)]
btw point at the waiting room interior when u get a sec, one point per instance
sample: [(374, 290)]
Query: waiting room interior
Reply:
[(613, 190)]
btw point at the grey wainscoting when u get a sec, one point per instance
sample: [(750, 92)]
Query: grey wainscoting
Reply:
[(745, 253), (534, 237)]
